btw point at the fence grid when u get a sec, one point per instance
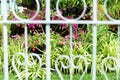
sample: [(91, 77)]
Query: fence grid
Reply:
[(48, 21)]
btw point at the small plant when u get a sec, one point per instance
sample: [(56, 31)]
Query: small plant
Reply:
[(32, 28), (37, 43), (112, 7)]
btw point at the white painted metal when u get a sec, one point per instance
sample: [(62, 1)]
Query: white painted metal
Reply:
[(70, 65), (26, 51), (94, 40), (71, 53), (114, 68), (106, 13), (70, 58), (48, 40), (116, 61), (81, 15), (48, 21), (5, 39), (62, 22), (23, 63), (13, 10)]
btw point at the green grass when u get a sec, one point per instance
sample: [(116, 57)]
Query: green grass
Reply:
[(112, 76), (11, 76), (55, 76)]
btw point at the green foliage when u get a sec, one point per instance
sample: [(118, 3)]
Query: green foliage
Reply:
[(1, 28), (19, 1), (1, 59), (1, 33), (14, 47), (37, 43), (71, 8), (111, 76), (28, 1), (107, 41), (32, 68), (113, 8), (70, 3)]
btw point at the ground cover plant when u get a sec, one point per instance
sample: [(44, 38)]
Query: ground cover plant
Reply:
[(107, 41)]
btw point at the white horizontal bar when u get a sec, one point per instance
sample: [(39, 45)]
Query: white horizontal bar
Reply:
[(61, 22)]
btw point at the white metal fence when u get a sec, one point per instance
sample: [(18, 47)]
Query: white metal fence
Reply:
[(48, 21)]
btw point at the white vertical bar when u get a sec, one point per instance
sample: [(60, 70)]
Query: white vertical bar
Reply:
[(48, 52), (94, 40), (26, 51), (5, 39), (94, 52), (71, 48), (117, 78), (10, 2), (4, 9), (48, 40)]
